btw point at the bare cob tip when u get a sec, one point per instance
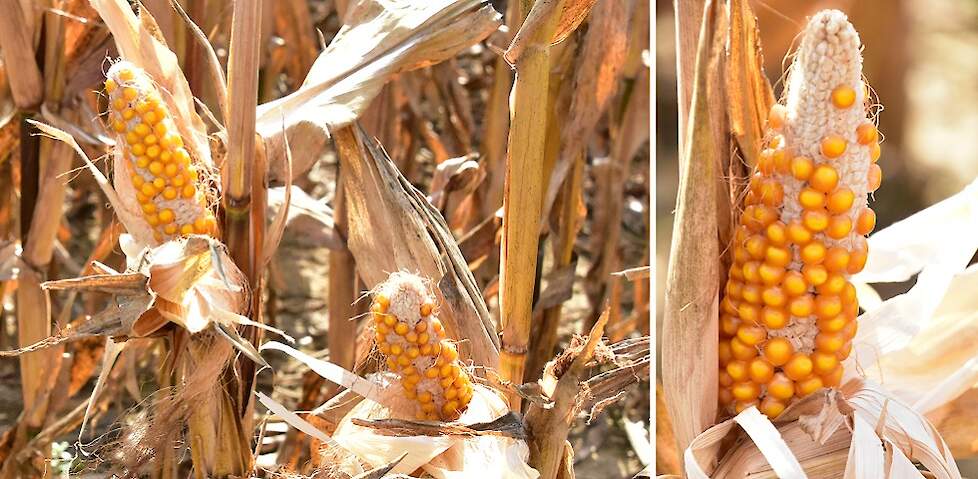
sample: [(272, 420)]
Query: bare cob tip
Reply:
[(413, 339)]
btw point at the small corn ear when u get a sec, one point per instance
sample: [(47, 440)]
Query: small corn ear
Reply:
[(413, 340), (152, 166), (788, 313)]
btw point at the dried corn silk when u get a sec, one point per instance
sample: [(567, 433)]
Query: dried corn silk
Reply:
[(788, 313), (153, 169), (413, 341)]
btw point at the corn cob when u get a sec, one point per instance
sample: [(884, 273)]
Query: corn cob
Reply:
[(788, 313), (413, 340), (152, 162)]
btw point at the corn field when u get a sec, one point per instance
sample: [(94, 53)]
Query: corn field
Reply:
[(325, 238)]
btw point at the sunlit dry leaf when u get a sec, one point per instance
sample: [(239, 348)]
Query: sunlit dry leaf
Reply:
[(378, 41)]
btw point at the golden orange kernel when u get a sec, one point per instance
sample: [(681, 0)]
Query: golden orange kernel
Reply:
[(128, 114), (811, 199), (866, 221), (833, 146), (824, 363), (828, 306), (824, 178), (110, 85), (742, 351), (840, 200), (149, 208), (813, 253), (170, 229), (756, 246), (771, 193), (119, 126), (774, 296), (765, 163), (189, 191), (836, 259), (802, 167), (751, 293), (808, 386), (778, 351), (771, 407), (774, 318), (159, 184), (829, 342), (815, 274), (776, 233), (794, 283), (798, 367), (831, 325), (751, 335), (843, 96), (834, 284), (839, 227), (815, 220), (729, 325), (778, 256), (798, 233), (746, 391), (142, 162), (858, 257), (770, 274), (833, 379), (751, 271), (866, 134), (118, 104), (138, 149), (802, 306), (781, 387), (166, 216)]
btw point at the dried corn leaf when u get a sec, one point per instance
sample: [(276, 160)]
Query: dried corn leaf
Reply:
[(765, 436), (689, 372), (311, 219), (382, 204), (380, 39)]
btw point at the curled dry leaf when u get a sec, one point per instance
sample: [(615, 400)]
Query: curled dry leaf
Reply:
[(380, 39), (382, 204)]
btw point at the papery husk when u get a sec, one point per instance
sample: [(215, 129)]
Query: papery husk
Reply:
[(379, 40), (857, 432), (444, 457)]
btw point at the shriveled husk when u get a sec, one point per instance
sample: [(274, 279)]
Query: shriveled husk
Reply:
[(443, 457), (912, 355), (465, 453)]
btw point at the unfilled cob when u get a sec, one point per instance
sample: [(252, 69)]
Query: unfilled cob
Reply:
[(152, 163), (414, 344), (788, 313)]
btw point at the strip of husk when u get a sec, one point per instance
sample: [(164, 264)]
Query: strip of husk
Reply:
[(689, 373)]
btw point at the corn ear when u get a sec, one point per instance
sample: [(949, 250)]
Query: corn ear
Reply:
[(788, 315), (154, 172), (413, 340)]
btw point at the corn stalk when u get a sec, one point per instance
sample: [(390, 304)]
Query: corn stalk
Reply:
[(525, 186)]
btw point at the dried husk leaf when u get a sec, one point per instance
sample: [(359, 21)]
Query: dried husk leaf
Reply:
[(689, 372), (443, 457), (379, 40)]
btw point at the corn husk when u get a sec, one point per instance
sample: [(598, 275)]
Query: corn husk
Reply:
[(444, 456)]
